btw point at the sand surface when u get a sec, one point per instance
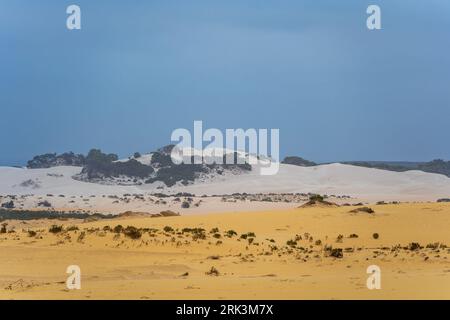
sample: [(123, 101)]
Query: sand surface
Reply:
[(174, 264)]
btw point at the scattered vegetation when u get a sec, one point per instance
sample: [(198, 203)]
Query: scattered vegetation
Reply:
[(55, 229)]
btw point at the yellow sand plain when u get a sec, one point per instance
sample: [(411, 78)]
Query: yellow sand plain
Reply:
[(174, 264)]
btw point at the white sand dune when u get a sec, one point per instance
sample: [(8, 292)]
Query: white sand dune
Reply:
[(337, 179)]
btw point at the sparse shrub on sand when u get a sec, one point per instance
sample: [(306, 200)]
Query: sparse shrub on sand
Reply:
[(214, 230), (217, 235), (132, 232), (413, 246), (3, 228), (353, 235), (340, 238), (291, 243), (333, 252), (168, 229), (213, 272), (81, 236), (433, 246), (32, 233), (230, 233), (55, 229), (107, 228), (118, 229), (248, 235), (375, 236), (318, 242), (72, 228)]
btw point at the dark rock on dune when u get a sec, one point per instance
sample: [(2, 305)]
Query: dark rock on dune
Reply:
[(444, 200)]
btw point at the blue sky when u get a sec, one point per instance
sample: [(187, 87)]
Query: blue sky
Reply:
[(139, 69)]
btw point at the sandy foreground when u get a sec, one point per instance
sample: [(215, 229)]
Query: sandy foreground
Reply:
[(176, 262)]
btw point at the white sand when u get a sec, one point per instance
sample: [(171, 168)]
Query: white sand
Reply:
[(362, 184)]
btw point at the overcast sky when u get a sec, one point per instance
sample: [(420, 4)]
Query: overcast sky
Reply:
[(139, 69)]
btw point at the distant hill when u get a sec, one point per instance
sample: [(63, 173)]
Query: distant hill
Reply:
[(435, 166), (297, 161), (137, 170)]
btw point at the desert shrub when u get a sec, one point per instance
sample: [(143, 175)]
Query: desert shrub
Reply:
[(3, 228), (336, 253), (433, 245), (118, 229), (375, 235), (32, 233), (132, 232), (214, 230), (414, 246), (213, 272), (291, 243), (168, 229), (55, 229), (72, 228), (81, 236), (353, 235), (230, 233), (217, 235)]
